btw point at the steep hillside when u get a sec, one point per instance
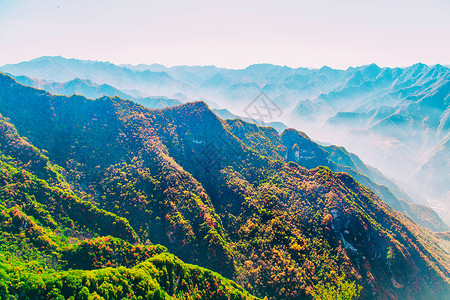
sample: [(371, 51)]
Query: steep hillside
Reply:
[(295, 146), (102, 146), (186, 179), (46, 231), (390, 117), (338, 159)]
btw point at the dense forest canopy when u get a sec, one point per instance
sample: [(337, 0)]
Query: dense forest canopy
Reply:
[(107, 199)]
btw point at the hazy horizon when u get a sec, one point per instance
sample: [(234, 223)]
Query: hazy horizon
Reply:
[(223, 67), (231, 34)]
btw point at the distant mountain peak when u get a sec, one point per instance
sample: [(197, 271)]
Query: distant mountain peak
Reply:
[(198, 105), (295, 133), (326, 68), (419, 66), (82, 81), (371, 66)]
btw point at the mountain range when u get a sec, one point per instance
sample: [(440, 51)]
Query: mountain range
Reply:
[(338, 159), (108, 198), (392, 118), (92, 90)]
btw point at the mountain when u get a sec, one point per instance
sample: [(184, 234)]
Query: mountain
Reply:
[(192, 75), (339, 160), (395, 125), (369, 105), (390, 117), (433, 174), (405, 105), (296, 146), (59, 69), (91, 90), (78, 86), (437, 163), (210, 191), (47, 230), (227, 115), (194, 81)]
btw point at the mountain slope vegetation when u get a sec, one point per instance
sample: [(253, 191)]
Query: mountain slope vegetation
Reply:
[(188, 180), (296, 146), (390, 117), (48, 231)]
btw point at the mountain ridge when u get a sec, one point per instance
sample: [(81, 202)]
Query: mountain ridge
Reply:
[(390, 117), (275, 227), (418, 213)]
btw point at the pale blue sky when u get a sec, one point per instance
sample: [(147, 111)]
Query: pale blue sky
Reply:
[(229, 33)]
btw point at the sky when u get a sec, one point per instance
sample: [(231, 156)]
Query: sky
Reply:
[(232, 33)]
